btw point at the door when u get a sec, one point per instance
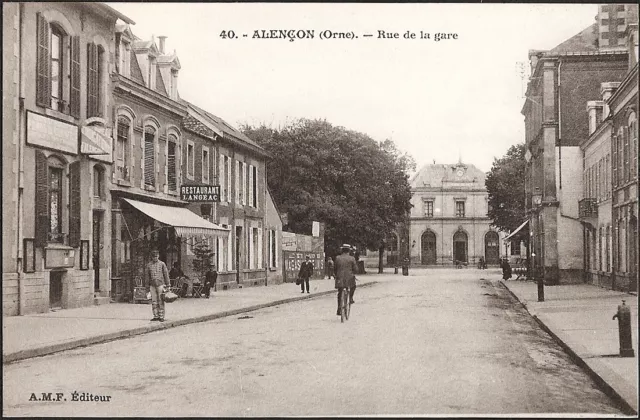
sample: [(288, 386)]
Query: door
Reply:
[(428, 248), (97, 246), (492, 248), (460, 246), (238, 253), (55, 289)]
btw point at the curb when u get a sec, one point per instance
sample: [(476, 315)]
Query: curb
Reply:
[(624, 405), (84, 342)]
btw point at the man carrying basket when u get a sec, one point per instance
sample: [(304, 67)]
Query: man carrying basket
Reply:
[(157, 281)]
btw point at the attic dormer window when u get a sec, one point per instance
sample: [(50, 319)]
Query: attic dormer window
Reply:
[(151, 77), (124, 59)]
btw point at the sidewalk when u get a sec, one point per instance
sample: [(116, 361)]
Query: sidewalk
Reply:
[(578, 317), (35, 335)]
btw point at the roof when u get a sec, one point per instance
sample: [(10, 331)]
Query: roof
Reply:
[(103, 8), (436, 175), (584, 41), (224, 126), (192, 124)]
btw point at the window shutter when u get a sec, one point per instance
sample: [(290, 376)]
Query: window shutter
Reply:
[(74, 99), (92, 80), (171, 171), (74, 204), (42, 193), (614, 161), (625, 145), (260, 248), (149, 162), (43, 73)]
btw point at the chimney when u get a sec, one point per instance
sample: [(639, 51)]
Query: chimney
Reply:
[(594, 110), (607, 89), (161, 39)]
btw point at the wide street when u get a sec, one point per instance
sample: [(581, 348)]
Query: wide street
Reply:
[(440, 341)]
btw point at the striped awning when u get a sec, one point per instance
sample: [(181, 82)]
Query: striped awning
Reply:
[(185, 222), (517, 230)]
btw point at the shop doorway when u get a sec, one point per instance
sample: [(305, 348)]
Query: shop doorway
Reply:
[(55, 289), (97, 246), (460, 247), (492, 248), (428, 248)]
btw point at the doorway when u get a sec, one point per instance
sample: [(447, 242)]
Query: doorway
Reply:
[(55, 289), (97, 246), (460, 246), (428, 248), (238, 253), (492, 248)]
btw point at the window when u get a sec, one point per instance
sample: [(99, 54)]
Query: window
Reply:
[(428, 208), (122, 148), (633, 135), (222, 171), (459, 208), (273, 249), (56, 69), (149, 157), (55, 204), (515, 247), (124, 51), (190, 159), (98, 181), (254, 186), (228, 168), (244, 181), (171, 163), (238, 170), (205, 165)]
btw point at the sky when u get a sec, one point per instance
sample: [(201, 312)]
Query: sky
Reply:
[(437, 100)]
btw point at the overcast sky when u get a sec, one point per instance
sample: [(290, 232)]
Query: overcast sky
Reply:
[(435, 100)]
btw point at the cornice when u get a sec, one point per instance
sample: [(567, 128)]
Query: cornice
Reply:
[(149, 96)]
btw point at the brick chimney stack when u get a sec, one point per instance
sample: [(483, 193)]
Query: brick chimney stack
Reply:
[(161, 45)]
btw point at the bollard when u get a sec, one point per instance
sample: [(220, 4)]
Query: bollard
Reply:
[(624, 330)]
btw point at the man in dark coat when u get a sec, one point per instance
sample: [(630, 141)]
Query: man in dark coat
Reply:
[(506, 270), (306, 270), (210, 280), (346, 268)]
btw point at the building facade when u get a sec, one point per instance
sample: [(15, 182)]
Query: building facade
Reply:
[(562, 81), (624, 169), (448, 220), (58, 151)]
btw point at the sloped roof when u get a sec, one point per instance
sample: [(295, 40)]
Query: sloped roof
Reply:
[(224, 126), (192, 124), (584, 41), (437, 175)]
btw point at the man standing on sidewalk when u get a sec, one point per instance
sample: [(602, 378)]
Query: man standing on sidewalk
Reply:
[(157, 281), (306, 270)]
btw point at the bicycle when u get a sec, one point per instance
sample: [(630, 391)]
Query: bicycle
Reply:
[(345, 306)]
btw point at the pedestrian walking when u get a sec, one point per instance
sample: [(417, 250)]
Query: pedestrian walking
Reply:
[(330, 267), (506, 269), (346, 268), (210, 279), (157, 282), (482, 264), (306, 270)]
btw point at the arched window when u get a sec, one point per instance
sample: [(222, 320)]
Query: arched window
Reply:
[(632, 124), (123, 148), (172, 174), (149, 156), (57, 57)]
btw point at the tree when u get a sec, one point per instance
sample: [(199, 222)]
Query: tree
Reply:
[(202, 258), (357, 186), (505, 185)]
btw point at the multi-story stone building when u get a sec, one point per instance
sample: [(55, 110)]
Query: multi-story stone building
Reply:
[(448, 221), (562, 81), (595, 206), (57, 157), (624, 151)]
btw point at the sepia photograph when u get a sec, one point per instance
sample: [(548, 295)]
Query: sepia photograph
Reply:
[(253, 209)]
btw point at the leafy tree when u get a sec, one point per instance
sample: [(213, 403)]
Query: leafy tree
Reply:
[(357, 186), (505, 185), (202, 259)]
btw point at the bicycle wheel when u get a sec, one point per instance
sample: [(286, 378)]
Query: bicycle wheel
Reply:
[(347, 302), (343, 306)]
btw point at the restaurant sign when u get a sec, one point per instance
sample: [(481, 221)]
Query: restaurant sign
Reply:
[(200, 193)]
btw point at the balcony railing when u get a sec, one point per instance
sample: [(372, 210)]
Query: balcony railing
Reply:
[(588, 207)]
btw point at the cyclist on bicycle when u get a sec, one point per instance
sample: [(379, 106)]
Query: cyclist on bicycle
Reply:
[(346, 268)]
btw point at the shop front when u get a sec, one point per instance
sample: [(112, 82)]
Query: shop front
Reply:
[(141, 226)]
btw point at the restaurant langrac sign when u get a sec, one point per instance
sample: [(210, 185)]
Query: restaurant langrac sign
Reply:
[(200, 193)]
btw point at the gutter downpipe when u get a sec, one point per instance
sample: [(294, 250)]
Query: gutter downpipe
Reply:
[(21, 124), (559, 129)]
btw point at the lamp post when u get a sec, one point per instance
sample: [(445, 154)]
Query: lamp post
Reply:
[(537, 201)]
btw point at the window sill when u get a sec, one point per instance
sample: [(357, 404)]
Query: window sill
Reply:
[(54, 245), (273, 268), (123, 183), (149, 188), (59, 115)]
